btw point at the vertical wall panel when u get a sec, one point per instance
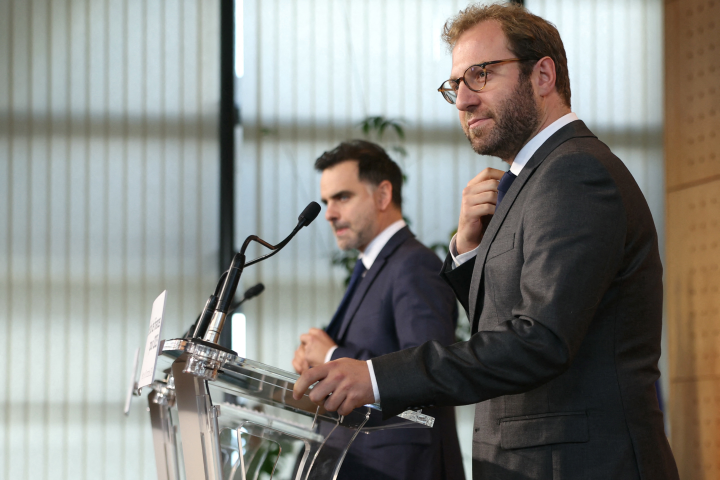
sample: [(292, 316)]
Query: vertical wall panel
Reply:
[(108, 174), (5, 212), (693, 232)]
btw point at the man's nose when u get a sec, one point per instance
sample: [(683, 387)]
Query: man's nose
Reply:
[(466, 98), (330, 213)]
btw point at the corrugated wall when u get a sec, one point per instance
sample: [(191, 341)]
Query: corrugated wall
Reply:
[(108, 195), (108, 179)]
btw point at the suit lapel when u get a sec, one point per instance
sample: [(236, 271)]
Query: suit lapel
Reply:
[(571, 130), (395, 241)]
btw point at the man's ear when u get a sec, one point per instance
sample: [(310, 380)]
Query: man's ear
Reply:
[(544, 76), (383, 195)]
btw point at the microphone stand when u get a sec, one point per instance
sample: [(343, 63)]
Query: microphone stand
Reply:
[(232, 276), (206, 355)]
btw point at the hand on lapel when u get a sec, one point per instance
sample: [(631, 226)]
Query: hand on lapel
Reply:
[(477, 208)]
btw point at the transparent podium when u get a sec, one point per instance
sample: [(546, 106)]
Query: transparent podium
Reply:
[(217, 416)]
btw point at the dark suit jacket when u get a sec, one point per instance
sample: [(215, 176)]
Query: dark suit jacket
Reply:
[(565, 296), (401, 302)]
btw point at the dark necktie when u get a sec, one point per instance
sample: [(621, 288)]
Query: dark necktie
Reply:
[(334, 328), (507, 179)]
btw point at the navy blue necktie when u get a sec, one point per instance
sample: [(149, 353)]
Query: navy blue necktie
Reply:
[(334, 328), (507, 179)]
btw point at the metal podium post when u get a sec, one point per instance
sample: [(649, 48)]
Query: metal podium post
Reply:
[(160, 403)]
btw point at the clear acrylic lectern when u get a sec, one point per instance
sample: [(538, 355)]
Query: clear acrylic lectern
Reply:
[(197, 435)]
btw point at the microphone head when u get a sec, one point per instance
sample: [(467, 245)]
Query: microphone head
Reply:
[(254, 291), (309, 214)]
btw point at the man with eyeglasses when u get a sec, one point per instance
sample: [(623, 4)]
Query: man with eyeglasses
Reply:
[(556, 262)]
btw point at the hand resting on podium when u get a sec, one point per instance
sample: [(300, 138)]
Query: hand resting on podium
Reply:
[(348, 381), (313, 350)]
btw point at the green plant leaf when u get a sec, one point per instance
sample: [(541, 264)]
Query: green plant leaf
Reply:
[(400, 150), (346, 260)]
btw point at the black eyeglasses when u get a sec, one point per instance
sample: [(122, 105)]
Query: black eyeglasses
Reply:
[(475, 77)]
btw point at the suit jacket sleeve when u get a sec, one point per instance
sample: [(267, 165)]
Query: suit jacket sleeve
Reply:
[(459, 280), (422, 307), (572, 244)]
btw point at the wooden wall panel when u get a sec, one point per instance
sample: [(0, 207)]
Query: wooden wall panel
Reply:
[(695, 426), (692, 146), (693, 91), (693, 281)]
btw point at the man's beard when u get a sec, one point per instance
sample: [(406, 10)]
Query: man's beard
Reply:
[(353, 242), (516, 119)]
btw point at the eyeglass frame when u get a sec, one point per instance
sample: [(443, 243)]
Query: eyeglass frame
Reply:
[(481, 65)]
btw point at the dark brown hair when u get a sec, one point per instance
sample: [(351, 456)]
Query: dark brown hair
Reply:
[(529, 37), (374, 164)]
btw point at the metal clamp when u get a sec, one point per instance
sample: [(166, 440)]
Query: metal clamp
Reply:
[(164, 392), (205, 361)]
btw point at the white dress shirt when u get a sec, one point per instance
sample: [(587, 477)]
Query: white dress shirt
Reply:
[(521, 159), (368, 257)]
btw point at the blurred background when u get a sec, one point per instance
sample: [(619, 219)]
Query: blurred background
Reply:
[(110, 183)]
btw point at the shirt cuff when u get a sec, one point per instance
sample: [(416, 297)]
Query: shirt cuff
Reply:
[(328, 355), (376, 392), (463, 257)]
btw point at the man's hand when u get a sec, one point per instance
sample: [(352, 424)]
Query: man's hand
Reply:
[(478, 206), (316, 343), (299, 363), (347, 379)]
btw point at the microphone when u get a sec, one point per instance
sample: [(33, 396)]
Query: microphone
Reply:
[(251, 292), (309, 214), (238, 264)]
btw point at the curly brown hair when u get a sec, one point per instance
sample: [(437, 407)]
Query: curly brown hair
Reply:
[(529, 37)]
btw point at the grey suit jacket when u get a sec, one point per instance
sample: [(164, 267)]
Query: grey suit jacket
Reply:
[(565, 296)]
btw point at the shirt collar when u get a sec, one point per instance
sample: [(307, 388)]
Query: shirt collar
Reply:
[(536, 142), (376, 245)]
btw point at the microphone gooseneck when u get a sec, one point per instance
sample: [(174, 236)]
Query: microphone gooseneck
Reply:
[(304, 219), (232, 276), (225, 298), (197, 330), (205, 316)]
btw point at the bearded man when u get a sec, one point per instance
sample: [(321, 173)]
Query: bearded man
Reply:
[(556, 262)]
